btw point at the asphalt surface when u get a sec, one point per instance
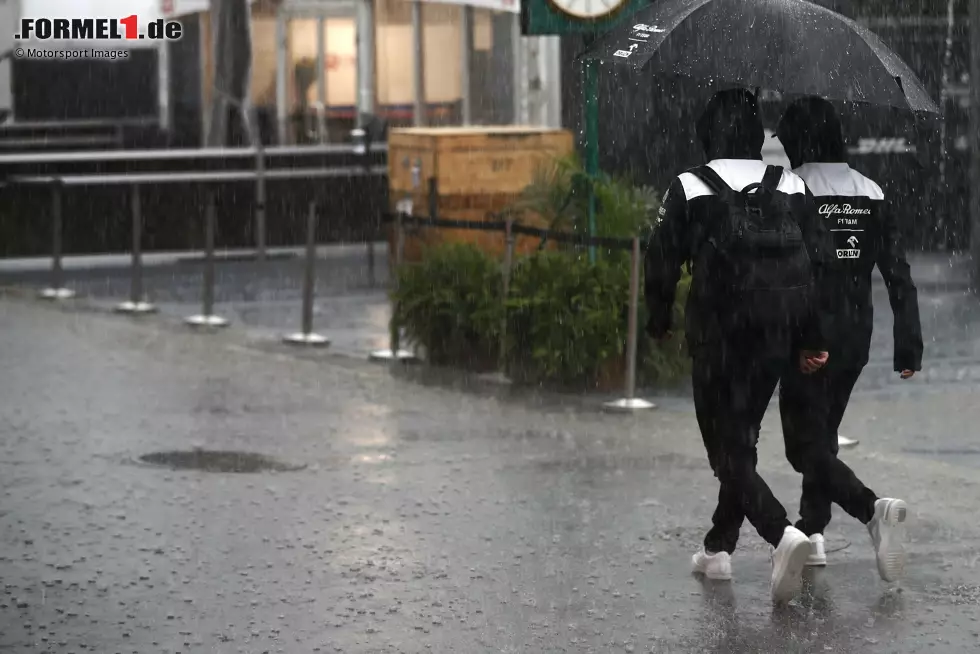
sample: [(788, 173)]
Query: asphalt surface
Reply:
[(432, 515)]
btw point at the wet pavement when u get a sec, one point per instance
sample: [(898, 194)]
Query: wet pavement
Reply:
[(429, 517)]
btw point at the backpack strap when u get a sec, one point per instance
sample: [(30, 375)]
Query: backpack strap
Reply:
[(772, 178), (714, 182)]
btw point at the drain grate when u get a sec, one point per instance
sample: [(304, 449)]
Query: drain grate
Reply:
[(217, 461)]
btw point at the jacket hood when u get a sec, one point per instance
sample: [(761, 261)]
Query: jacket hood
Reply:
[(730, 127), (811, 132)]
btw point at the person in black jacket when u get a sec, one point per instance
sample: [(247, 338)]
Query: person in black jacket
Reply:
[(811, 407), (737, 362)]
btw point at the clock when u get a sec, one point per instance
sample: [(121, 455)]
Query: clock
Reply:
[(588, 9)]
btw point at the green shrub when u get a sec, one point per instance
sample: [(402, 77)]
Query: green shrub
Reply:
[(558, 193), (449, 303), (565, 318)]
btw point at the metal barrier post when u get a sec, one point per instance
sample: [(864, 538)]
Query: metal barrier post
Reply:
[(136, 303), (306, 336), (362, 146), (508, 267), (207, 318), (631, 402), (372, 277), (260, 231), (394, 352), (500, 376), (57, 290)]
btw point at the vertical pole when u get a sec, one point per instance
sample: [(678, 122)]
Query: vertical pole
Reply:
[(209, 228), (394, 352), (466, 64), (418, 63), (372, 277), (520, 74), (136, 304), (163, 92), (57, 272), (508, 267), (553, 81), (57, 219), (321, 78), (282, 102), (975, 140), (136, 288), (631, 328), (306, 336), (57, 290), (260, 217), (591, 92), (433, 198), (399, 258), (630, 402), (365, 60), (206, 64), (309, 276), (207, 317), (533, 82)]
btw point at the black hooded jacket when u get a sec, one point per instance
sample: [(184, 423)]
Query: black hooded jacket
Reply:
[(864, 232), (732, 135)]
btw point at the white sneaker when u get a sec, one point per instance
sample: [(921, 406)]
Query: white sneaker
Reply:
[(716, 566), (818, 557), (844, 441), (788, 561), (887, 529)]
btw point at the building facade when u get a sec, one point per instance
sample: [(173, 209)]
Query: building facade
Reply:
[(320, 68)]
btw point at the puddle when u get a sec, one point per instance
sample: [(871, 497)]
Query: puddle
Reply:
[(217, 461)]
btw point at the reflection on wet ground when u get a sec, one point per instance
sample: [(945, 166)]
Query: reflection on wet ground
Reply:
[(425, 519)]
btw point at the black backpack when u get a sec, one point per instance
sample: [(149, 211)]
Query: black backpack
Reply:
[(753, 263)]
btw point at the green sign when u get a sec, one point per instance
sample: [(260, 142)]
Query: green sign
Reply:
[(544, 18)]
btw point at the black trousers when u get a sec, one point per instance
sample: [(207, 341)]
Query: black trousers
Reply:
[(811, 408), (733, 384)]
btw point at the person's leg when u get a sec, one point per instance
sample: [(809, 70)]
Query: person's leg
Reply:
[(711, 401), (850, 494), (750, 382), (803, 410), (884, 517), (752, 386), (812, 408)]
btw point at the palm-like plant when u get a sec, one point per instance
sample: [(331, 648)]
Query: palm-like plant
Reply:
[(550, 195), (558, 193)]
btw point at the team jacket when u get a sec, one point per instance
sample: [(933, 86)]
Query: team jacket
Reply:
[(852, 208), (687, 211)]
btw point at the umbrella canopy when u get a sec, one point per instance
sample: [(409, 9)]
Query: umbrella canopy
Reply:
[(791, 46)]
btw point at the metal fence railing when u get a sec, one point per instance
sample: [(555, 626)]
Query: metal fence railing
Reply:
[(207, 319), (208, 178)]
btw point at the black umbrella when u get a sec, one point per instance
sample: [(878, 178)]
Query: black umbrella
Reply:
[(791, 46)]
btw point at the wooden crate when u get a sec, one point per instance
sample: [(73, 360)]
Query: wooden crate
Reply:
[(477, 171)]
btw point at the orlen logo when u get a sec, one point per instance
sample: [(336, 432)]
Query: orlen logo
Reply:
[(852, 252), (103, 29), (827, 210)]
